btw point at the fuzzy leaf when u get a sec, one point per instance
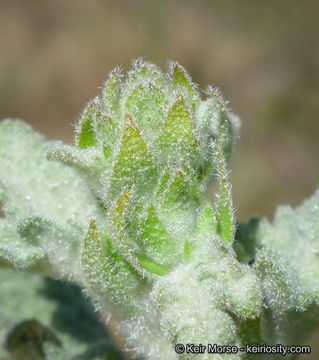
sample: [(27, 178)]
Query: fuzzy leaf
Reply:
[(34, 186), (111, 91), (133, 164), (180, 78), (108, 273), (178, 205), (14, 252), (107, 134), (177, 140), (291, 281), (181, 192), (86, 136), (182, 81), (155, 242), (38, 189), (89, 163), (118, 211), (287, 264), (148, 105), (123, 242), (207, 223), (224, 208), (153, 267)]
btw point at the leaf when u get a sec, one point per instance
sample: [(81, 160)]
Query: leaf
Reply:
[(293, 232), (38, 189), (118, 211), (109, 274), (34, 186), (111, 91), (86, 135), (181, 78), (147, 104), (181, 192), (177, 140), (125, 245), (134, 164), (243, 292), (187, 250), (108, 133), (15, 253), (206, 225), (213, 122), (155, 242), (153, 267), (224, 207), (164, 178), (89, 163), (143, 72), (178, 204), (287, 264), (32, 229)]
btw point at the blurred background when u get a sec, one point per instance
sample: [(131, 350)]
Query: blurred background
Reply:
[(264, 55)]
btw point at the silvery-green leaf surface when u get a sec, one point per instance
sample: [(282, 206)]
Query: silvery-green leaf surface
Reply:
[(46, 205), (124, 213)]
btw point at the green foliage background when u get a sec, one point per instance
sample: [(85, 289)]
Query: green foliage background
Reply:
[(263, 55)]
